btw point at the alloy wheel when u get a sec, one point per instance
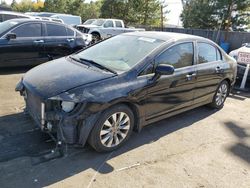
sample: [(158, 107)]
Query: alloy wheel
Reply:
[(221, 94), (115, 129)]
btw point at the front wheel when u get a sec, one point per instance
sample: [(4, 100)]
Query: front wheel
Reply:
[(112, 129), (220, 96), (95, 38)]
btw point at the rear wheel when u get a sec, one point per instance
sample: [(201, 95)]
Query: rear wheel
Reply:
[(112, 129), (220, 96)]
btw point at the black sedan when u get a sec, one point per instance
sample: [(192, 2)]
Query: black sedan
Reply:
[(31, 42), (106, 91)]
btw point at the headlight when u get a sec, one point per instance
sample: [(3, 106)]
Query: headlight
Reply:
[(67, 106), (87, 38)]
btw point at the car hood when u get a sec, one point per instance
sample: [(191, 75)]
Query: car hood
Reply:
[(91, 26), (58, 76)]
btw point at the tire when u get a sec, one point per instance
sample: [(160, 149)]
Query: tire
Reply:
[(112, 129), (220, 95), (95, 38)]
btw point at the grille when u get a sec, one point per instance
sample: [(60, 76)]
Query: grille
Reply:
[(83, 29), (33, 104)]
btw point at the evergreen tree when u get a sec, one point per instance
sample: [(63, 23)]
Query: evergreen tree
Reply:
[(208, 14), (144, 12)]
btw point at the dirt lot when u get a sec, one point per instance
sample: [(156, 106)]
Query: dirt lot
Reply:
[(199, 148)]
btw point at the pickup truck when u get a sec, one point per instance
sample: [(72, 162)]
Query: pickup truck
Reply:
[(105, 28)]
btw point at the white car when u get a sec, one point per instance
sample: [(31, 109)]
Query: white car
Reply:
[(69, 19), (242, 56), (105, 28)]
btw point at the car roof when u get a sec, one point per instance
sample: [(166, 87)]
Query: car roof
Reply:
[(26, 20), (14, 13), (166, 36)]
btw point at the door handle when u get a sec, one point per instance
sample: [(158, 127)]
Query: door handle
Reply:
[(218, 70), (70, 40), (190, 76), (38, 41)]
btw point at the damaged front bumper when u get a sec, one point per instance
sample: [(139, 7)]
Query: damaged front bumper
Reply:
[(70, 128)]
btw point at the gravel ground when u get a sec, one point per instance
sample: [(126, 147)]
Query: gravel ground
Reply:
[(200, 148)]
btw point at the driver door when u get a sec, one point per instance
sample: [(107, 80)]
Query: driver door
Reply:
[(172, 92), (26, 49)]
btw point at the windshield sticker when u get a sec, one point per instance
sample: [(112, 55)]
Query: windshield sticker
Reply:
[(147, 39)]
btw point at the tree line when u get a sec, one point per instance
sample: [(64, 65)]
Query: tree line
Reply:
[(202, 14), (216, 14)]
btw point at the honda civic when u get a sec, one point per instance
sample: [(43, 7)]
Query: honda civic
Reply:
[(102, 93)]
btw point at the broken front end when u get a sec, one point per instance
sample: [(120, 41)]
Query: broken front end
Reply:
[(67, 119)]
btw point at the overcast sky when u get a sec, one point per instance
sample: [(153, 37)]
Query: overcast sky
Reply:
[(174, 6)]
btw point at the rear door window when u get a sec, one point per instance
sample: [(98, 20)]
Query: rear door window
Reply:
[(56, 30), (180, 55), (118, 23), (29, 30), (206, 53), (70, 32), (219, 57), (109, 23)]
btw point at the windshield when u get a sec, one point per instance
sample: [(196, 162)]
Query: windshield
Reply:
[(89, 22), (4, 26), (98, 22), (120, 53)]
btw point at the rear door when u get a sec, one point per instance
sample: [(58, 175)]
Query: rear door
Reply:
[(108, 29), (118, 27), (210, 70), (26, 49), (57, 42)]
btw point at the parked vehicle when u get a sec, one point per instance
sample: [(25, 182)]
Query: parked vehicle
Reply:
[(103, 93), (242, 63), (89, 21), (66, 18), (41, 14), (105, 28), (49, 19), (31, 42), (8, 15)]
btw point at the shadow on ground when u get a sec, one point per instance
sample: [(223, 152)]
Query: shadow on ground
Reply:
[(241, 149), (239, 95), (20, 141), (14, 70)]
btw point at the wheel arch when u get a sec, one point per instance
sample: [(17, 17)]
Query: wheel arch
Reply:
[(85, 131), (228, 81), (95, 32), (131, 106), (136, 113)]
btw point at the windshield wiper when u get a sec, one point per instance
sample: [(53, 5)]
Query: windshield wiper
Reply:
[(76, 59), (98, 65)]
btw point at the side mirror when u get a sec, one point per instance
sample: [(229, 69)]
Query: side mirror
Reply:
[(11, 36), (163, 69)]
